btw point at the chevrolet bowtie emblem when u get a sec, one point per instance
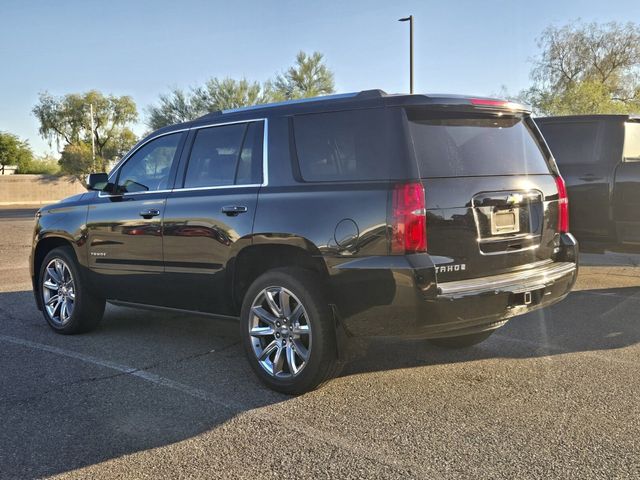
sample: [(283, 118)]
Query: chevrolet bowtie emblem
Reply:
[(514, 198)]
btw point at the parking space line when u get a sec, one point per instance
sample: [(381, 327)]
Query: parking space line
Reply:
[(124, 369), (237, 408)]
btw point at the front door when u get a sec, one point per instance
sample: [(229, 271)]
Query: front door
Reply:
[(125, 226), (209, 216)]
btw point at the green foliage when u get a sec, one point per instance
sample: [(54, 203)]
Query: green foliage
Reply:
[(586, 69), (225, 94), (174, 107), (77, 160), (66, 121), (14, 151), (45, 164), (308, 77)]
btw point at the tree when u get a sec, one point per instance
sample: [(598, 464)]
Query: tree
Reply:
[(593, 68), (174, 107), (76, 159), (66, 121), (227, 93), (14, 151), (308, 77)]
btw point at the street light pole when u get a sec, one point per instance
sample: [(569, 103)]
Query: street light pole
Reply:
[(410, 20), (93, 140)]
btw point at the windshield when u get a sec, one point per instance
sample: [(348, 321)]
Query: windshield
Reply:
[(468, 144)]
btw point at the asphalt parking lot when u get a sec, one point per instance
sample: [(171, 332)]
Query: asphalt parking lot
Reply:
[(554, 394)]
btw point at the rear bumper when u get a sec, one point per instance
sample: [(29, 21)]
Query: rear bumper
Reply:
[(406, 300), (517, 282)]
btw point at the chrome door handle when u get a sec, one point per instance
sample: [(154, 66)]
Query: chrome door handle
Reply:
[(152, 212), (233, 210)]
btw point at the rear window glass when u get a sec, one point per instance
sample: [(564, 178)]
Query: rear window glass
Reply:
[(632, 140), (226, 155), (350, 145), (465, 144), (571, 143)]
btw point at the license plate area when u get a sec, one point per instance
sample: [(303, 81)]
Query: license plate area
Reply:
[(505, 221)]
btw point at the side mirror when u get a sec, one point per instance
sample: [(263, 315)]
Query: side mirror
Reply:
[(97, 181)]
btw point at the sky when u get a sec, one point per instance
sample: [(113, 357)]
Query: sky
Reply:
[(142, 48)]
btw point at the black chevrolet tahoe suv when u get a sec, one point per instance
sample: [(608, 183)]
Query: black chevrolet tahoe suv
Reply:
[(599, 158), (314, 221)]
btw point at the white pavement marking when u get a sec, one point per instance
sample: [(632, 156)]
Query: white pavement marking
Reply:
[(125, 369), (327, 437)]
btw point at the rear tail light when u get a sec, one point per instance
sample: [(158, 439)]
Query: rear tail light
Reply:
[(408, 219), (563, 206)]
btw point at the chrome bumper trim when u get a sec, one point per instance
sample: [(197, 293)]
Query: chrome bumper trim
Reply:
[(516, 282)]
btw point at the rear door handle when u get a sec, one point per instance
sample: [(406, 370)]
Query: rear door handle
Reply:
[(151, 212), (233, 210)]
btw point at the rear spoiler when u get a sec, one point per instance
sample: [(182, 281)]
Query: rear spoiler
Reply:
[(460, 101)]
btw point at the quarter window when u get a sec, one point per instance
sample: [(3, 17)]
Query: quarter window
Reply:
[(149, 167), (226, 155), (350, 145)]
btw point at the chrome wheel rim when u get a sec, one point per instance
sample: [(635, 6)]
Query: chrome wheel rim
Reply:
[(280, 332), (58, 291)]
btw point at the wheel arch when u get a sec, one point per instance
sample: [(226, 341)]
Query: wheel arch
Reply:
[(261, 256)]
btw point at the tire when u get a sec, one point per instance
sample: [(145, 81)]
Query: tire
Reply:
[(68, 306), (463, 341), (305, 352)]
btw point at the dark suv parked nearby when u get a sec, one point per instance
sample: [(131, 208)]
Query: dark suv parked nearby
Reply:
[(599, 157), (435, 217)]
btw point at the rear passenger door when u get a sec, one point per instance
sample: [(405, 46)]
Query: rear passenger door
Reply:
[(209, 214)]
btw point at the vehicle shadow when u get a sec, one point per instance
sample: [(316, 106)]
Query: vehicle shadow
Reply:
[(587, 320), (188, 376)]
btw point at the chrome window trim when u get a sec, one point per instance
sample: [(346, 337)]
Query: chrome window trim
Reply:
[(265, 160)]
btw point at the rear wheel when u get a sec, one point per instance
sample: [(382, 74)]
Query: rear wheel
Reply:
[(288, 332), (67, 304), (462, 341)]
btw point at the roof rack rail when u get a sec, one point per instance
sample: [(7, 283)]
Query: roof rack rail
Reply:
[(363, 95)]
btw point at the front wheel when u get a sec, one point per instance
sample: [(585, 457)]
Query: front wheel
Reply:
[(288, 332), (67, 304), (461, 341)]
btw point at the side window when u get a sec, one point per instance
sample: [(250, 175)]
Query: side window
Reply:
[(571, 143), (148, 168), (226, 155)]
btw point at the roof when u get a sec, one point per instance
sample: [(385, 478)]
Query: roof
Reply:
[(363, 99)]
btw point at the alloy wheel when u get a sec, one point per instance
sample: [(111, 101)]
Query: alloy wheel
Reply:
[(280, 332), (58, 291)]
